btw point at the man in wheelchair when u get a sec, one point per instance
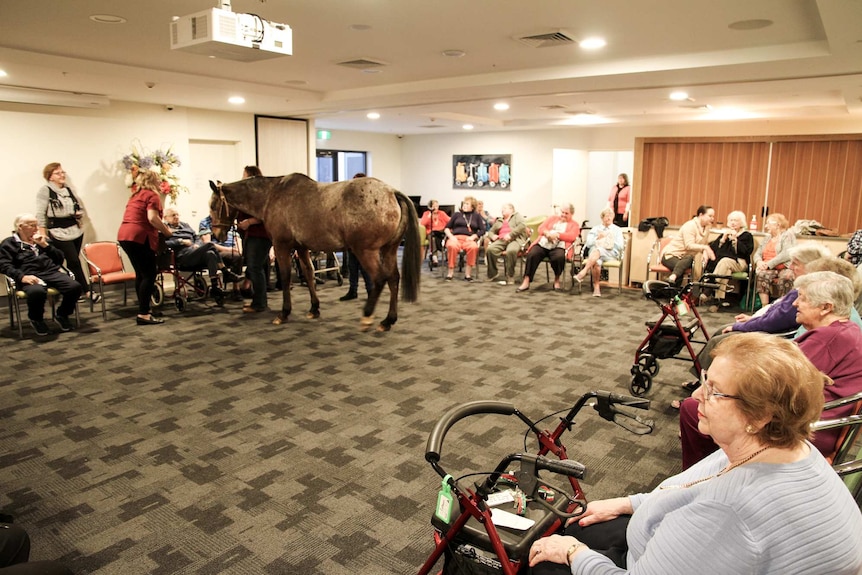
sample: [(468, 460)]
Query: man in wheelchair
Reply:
[(192, 254), (34, 265)]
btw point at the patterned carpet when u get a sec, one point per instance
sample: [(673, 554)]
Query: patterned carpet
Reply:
[(219, 443)]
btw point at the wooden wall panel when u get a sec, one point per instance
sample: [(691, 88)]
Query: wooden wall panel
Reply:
[(677, 177), (818, 180)]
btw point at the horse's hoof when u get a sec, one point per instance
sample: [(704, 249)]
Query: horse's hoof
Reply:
[(383, 327), (279, 319)]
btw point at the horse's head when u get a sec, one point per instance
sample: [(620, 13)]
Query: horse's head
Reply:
[(221, 213)]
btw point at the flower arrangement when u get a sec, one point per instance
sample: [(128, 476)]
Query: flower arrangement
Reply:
[(161, 162)]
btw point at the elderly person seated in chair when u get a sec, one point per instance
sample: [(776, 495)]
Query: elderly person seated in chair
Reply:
[(832, 342), (555, 236), (732, 254), (605, 243), (740, 509), (34, 265), (507, 236), (194, 254), (462, 233)]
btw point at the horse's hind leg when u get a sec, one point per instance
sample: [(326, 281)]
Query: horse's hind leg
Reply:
[(308, 274), (393, 279)]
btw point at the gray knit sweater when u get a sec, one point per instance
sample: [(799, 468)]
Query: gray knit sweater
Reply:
[(796, 518)]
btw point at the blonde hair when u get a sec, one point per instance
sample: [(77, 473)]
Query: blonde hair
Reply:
[(840, 267), (470, 200), (780, 220), (606, 212), (776, 383), (149, 180)]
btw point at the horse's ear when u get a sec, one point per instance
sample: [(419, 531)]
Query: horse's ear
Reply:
[(214, 187)]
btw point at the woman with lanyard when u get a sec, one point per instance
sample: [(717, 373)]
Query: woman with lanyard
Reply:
[(462, 233), (620, 200), (59, 216)]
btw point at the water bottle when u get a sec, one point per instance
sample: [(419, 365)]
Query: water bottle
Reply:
[(753, 225)]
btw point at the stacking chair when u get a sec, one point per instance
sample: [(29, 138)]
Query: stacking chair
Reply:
[(654, 264), (106, 268), (608, 265), (14, 297), (846, 460)]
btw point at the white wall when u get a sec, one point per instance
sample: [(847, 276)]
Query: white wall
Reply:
[(91, 144), (384, 154)]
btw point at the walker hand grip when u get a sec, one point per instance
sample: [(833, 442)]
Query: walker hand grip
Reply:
[(568, 467), (457, 413)]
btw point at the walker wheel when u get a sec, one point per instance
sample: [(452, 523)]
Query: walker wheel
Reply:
[(158, 297), (180, 303), (200, 285), (641, 383), (649, 364)]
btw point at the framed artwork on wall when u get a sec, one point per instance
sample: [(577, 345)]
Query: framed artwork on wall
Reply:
[(489, 170)]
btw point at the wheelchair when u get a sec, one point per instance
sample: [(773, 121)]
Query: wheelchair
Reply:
[(188, 284)]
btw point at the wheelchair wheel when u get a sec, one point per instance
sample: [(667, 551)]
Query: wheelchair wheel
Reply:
[(158, 296), (339, 279), (649, 364), (180, 303), (200, 285), (641, 382)]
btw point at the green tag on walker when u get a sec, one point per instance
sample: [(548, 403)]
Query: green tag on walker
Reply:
[(444, 502)]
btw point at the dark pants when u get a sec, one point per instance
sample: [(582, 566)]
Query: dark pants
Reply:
[(256, 252), (678, 266), (205, 255), (15, 550), (354, 270), (436, 242), (72, 253), (608, 538), (618, 220), (143, 259), (537, 253), (37, 294)]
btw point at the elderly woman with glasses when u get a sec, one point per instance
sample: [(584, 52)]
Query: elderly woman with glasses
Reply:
[(742, 509), (555, 236)]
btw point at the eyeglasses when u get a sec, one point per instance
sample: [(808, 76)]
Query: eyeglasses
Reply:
[(565, 213), (58, 173), (709, 390)]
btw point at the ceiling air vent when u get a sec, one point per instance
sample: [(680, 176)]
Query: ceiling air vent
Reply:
[(363, 64), (432, 126), (552, 107), (547, 40)]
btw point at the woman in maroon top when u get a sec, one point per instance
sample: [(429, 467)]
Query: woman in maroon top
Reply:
[(139, 237)]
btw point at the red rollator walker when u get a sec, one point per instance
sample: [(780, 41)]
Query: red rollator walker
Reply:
[(676, 328), (488, 528)]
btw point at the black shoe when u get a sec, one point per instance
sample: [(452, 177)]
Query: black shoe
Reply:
[(229, 277), (691, 385), (348, 296), (468, 279), (64, 323), (40, 327), (151, 321)]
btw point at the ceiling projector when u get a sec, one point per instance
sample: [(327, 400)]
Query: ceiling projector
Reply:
[(232, 36)]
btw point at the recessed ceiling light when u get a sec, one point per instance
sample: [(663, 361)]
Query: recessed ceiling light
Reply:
[(501, 106), (360, 27), (754, 24), (107, 19), (236, 100), (370, 71), (3, 74), (454, 53), (678, 96), (592, 43), (372, 116), (467, 126)]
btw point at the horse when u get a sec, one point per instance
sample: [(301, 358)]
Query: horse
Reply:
[(364, 215)]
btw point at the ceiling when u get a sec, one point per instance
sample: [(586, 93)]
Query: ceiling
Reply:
[(806, 63)]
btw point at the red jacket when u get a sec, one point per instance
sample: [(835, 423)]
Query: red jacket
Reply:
[(573, 230)]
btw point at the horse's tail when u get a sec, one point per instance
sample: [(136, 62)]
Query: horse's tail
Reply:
[(411, 262)]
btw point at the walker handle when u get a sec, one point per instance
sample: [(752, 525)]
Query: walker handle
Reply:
[(457, 413)]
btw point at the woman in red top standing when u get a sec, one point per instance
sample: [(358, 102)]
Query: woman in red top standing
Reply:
[(620, 200), (139, 237)]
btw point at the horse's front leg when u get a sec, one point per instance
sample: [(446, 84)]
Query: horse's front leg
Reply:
[(283, 254), (308, 274)]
